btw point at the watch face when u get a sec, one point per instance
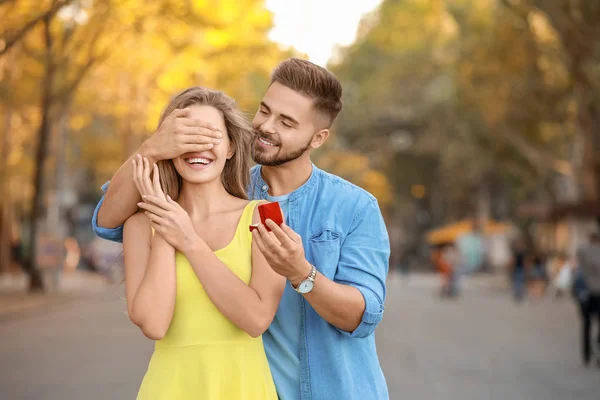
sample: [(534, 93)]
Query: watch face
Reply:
[(305, 286)]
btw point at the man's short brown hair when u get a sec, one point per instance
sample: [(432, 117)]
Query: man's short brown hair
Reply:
[(314, 82)]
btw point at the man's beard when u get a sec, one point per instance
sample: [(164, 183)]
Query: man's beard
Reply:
[(259, 156)]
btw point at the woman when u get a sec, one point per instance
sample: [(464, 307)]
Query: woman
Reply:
[(195, 282)]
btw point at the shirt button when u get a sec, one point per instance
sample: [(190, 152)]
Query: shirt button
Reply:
[(264, 187)]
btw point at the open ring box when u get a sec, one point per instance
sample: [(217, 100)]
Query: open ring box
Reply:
[(270, 211)]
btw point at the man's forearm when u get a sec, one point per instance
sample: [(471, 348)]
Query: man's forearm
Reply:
[(120, 201), (341, 305)]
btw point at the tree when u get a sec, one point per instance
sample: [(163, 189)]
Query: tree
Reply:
[(356, 168), (577, 26), (69, 51), (481, 87), (399, 91)]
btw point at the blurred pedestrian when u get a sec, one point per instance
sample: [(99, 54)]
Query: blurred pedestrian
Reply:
[(562, 277), (446, 259), (518, 271), (537, 276), (588, 257), (453, 258), (442, 267), (73, 254), (16, 253)]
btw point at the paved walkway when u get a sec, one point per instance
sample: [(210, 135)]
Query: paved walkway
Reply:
[(481, 346), (16, 301)]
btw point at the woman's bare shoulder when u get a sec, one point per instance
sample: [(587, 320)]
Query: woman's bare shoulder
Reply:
[(138, 222)]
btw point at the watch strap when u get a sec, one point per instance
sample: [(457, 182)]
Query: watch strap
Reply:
[(311, 277)]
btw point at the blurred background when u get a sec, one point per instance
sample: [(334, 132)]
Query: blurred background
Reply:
[(475, 123)]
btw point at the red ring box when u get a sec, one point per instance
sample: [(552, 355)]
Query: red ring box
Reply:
[(270, 211)]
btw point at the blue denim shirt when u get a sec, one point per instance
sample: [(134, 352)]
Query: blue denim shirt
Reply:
[(345, 238)]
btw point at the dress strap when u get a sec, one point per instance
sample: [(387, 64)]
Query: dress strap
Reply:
[(246, 220)]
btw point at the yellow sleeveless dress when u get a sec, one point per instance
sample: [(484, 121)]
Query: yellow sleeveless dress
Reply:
[(203, 355)]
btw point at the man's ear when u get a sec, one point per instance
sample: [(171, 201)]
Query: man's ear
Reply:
[(319, 138)]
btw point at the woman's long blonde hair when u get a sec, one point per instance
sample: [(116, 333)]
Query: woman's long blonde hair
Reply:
[(236, 174)]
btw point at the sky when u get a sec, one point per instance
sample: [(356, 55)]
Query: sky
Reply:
[(314, 27)]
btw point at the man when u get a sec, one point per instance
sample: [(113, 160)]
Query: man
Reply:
[(334, 247), (519, 270), (588, 258)]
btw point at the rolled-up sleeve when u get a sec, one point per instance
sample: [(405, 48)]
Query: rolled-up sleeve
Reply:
[(364, 263), (114, 234)]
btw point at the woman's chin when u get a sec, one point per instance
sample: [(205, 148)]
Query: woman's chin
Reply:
[(199, 177)]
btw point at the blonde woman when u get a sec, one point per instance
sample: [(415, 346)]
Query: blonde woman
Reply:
[(195, 281)]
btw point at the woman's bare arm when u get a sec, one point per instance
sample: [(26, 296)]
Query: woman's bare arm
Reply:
[(150, 277)]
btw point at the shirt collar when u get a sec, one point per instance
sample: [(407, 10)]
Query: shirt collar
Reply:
[(263, 187)]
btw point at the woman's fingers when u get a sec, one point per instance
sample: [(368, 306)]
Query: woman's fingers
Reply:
[(155, 218), (161, 212), (146, 177), (156, 182)]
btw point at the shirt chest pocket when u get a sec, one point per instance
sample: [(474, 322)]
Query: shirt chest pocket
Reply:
[(324, 250)]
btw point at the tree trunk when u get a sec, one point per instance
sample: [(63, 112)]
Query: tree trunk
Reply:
[(589, 124), (30, 265), (5, 203)]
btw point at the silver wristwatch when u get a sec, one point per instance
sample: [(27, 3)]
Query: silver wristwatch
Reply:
[(307, 285)]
